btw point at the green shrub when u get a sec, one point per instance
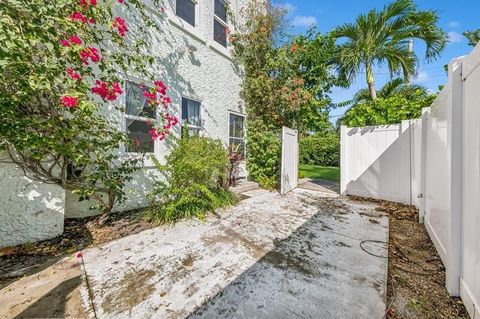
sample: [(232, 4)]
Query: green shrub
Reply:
[(266, 182), (323, 151), (263, 153), (195, 178)]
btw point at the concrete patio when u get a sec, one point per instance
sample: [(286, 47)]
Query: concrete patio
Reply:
[(272, 256)]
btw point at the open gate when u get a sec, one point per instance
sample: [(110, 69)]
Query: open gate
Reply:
[(289, 168)]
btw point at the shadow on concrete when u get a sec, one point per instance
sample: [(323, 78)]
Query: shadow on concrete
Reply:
[(52, 304), (319, 271)]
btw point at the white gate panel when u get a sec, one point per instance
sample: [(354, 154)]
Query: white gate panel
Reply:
[(289, 169)]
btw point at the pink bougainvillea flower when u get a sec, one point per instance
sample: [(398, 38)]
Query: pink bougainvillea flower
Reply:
[(79, 255), (77, 16), (64, 43), (151, 97), (74, 75), (161, 87), (162, 9), (89, 53), (106, 92), (74, 39), (121, 1), (157, 135), (69, 101), (165, 101), (120, 25), (171, 120), (85, 3)]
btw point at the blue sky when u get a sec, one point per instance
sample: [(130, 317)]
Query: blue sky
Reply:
[(456, 16)]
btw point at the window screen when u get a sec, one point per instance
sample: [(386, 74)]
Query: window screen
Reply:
[(237, 132), (219, 32), (137, 115), (191, 114), (185, 9), (221, 10)]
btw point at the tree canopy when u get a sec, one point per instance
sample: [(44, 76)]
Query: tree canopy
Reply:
[(473, 37), (382, 37), (396, 101)]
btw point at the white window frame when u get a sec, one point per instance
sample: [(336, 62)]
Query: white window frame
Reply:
[(244, 131), (197, 11), (199, 127), (135, 117), (219, 20), (194, 31)]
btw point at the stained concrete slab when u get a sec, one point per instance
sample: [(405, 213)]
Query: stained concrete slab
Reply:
[(272, 256)]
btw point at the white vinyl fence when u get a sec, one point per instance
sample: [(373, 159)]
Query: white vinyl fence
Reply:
[(433, 163)]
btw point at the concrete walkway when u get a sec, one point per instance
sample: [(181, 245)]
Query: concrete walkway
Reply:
[(272, 256)]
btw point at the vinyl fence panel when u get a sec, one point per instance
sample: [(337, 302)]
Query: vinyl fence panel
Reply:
[(378, 162), (470, 257), (432, 162)]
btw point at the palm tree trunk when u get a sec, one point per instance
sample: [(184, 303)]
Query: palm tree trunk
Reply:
[(371, 82)]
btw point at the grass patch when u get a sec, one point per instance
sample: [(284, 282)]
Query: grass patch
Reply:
[(320, 172)]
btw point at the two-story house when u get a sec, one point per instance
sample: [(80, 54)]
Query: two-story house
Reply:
[(193, 58)]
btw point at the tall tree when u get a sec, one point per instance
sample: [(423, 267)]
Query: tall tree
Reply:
[(382, 37), (473, 37)]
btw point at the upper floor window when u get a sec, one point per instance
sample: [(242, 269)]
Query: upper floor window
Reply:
[(191, 114), (237, 132), (186, 9), (220, 22), (138, 114)]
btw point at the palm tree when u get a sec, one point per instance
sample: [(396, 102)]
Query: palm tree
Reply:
[(394, 87), (383, 36)]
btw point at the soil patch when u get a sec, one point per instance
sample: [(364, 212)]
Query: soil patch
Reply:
[(416, 275), (56, 291), (79, 234)]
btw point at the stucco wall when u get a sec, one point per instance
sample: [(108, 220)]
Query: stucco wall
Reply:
[(192, 65), (29, 211)]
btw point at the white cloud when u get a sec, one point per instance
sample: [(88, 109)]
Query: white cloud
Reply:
[(287, 6), (454, 24), (454, 37), (303, 21), (422, 77)]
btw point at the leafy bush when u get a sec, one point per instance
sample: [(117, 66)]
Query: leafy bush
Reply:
[(195, 178), (388, 110), (263, 153), (323, 151), (268, 182), (61, 64)]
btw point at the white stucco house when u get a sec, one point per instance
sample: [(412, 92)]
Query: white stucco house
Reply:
[(193, 58)]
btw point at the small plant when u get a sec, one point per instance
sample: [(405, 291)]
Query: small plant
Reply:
[(415, 304), (267, 182), (235, 156), (195, 173)]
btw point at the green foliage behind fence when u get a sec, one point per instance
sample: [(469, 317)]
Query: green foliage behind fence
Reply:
[(323, 151), (263, 159)]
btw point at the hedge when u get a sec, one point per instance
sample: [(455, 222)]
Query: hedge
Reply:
[(323, 151)]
